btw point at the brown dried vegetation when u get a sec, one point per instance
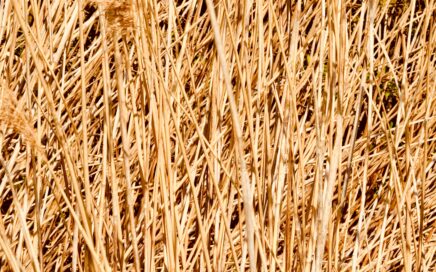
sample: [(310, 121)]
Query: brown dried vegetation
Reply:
[(217, 135)]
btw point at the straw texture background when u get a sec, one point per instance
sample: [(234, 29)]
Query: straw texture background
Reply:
[(153, 135)]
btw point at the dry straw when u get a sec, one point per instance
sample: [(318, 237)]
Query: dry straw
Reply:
[(217, 135)]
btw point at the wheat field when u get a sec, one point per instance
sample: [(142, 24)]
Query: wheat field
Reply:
[(254, 135)]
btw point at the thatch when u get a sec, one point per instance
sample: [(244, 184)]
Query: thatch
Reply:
[(217, 135)]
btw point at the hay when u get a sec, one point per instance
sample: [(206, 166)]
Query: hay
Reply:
[(217, 135)]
